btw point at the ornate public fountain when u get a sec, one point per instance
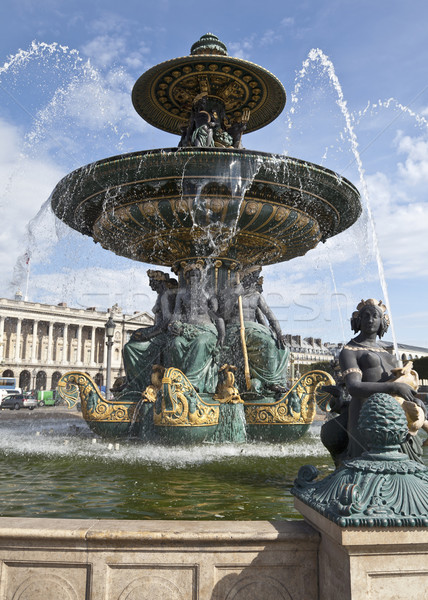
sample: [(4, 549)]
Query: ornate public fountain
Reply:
[(213, 366)]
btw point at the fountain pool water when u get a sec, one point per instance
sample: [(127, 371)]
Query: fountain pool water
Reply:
[(59, 472), (51, 467)]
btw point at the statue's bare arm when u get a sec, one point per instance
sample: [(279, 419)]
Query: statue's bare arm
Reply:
[(272, 320), (260, 317), (218, 321)]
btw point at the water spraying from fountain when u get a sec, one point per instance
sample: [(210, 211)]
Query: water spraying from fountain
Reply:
[(82, 100), (317, 57), (396, 105)]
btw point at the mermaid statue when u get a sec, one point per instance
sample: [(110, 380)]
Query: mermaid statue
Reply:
[(367, 368)]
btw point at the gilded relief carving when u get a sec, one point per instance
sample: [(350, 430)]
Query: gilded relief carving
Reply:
[(181, 405), (76, 386)]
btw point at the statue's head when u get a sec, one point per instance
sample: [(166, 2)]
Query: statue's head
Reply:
[(250, 275), (157, 275), (172, 284), (193, 270), (374, 307), (156, 278)]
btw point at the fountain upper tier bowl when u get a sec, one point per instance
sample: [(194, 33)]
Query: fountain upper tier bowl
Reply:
[(161, 206)]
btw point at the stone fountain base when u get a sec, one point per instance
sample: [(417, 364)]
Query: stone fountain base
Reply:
[(44, 559)]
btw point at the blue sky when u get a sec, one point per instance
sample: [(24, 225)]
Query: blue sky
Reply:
[(355, 73)]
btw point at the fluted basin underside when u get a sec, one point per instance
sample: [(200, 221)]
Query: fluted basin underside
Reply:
[(161, 206)]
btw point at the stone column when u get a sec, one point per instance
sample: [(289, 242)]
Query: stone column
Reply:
[(79, 345), (1, 338), (33, 348), (50, 339), (92, 359), (65, 344), (18, 340)]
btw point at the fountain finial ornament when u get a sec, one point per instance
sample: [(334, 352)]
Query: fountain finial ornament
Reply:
[(166, 94), (381, 488), (209, 44)]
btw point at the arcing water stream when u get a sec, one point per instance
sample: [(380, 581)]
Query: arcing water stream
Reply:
[(317, 56)]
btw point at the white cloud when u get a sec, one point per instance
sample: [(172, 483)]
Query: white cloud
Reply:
[(244, 48), (241, 49), (401, 210), (114, 38), (404, 242), (104, 49), (414, 170), (287, 22), (269, 37)]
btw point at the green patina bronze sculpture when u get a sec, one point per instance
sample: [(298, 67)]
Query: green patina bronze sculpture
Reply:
[(381, 488), (266, 356), (367, 368), (197, 330), (214, 213), (148, 345)]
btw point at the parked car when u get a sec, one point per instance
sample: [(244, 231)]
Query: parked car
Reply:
[(17, 401), (4, 393)]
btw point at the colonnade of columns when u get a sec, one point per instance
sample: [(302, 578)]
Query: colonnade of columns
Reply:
[(50, 342), (41, 342)]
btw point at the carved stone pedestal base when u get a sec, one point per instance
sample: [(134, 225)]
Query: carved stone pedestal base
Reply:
[(369, 564)]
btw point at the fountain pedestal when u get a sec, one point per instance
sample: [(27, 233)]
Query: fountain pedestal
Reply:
[(368, 563), (372, 513)]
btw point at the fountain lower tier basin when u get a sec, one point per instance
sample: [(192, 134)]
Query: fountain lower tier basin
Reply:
[(177, 414), (162, 206)]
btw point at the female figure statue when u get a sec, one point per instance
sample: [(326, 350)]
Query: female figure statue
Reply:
[(265, 346), (203, 130), (367, 368), (149, 345), (196, 332), (202, 123)]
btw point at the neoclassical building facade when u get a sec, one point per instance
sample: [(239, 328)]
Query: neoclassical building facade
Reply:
[(41, 342)]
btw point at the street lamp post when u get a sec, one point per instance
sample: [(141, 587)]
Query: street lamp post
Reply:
[(34, 374), (110, 327)]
